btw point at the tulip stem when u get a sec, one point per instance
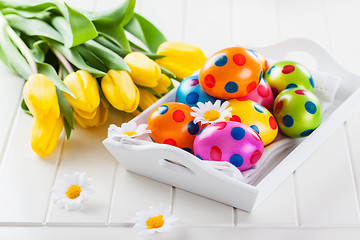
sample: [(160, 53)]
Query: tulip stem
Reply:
[(63, 60), (25, 51)]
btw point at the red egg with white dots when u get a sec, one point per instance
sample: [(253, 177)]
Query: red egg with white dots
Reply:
[(171, 123), (230, 73), (262, 94)]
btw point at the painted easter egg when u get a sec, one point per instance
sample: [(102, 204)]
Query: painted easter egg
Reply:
[(262, 94), (255, 116), (229, 141), (263, 61), (171, 123), (288, 74), (230, 73), (190, 92), (297, 112)]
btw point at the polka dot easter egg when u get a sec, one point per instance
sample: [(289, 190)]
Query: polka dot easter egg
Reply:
[(228, 141), (297, 112), (262, 95), (231, 73), (287, 74), (255, 116), (171, 123), (190, 92)]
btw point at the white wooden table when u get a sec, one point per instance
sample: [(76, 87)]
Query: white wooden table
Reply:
[(319, 201)]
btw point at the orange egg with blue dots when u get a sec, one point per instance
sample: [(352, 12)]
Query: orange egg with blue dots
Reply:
[(230, 73), (255, 116), (171, 123)]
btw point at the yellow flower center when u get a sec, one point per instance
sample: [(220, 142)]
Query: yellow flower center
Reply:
[(211, 115), (155, 222), (73, 191), (130, 133)]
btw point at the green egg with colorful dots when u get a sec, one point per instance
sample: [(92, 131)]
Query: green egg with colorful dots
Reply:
[(297, 112), (288, 74)]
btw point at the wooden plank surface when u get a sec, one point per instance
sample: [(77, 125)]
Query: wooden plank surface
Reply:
[(304, 206)]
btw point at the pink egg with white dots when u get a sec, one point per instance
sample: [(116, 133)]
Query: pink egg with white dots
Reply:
[(229, 141), (262, 94)]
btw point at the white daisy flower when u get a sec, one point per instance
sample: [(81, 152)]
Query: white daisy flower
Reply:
[(73, 191), (127, 130), (155, 219), (211, 113)]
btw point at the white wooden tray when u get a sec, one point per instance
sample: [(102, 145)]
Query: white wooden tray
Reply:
[(181, 169)]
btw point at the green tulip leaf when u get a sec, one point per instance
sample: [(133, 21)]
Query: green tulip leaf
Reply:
[(33, 27), (120, 15), (91, 59), (39, 50), (111, 45), (108, 57), (73, 56), (44, 14), (146, 32), (115, 34), (155, 93), (25, 108), (50, 72), (167, 73), (62, 26), (10, 53), (67, 112), (81, 28), (68, 129), (152, 56)]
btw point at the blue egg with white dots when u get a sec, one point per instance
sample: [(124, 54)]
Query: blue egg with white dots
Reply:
[(190, 92), (297, 112)]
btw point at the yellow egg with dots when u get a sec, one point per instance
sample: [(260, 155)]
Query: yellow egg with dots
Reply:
[(255, 116)]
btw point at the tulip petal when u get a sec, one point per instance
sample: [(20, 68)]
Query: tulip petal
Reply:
[(45, 133)]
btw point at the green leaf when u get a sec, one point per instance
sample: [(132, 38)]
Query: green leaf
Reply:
[(120, 15), (44, 14), (62, 26), (167, 73), (25, 108), (110, 45), (81, 28), (146, 32), (115, 34), (67, 129), (39, 50), (152, 56), (50, 72), (91, 59), (156, 94), (67, 112), (111, 59), (14, 59), (33, 27), (75, 58)]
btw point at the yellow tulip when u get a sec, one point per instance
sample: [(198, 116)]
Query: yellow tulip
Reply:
[(44, 134), (163, 83), (144, 71), (40, 96), (146, 99), (120, 90), (182, 59), (85, 89), (99, 119)]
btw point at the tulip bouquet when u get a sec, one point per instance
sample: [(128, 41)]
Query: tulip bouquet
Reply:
[(77, 64)]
